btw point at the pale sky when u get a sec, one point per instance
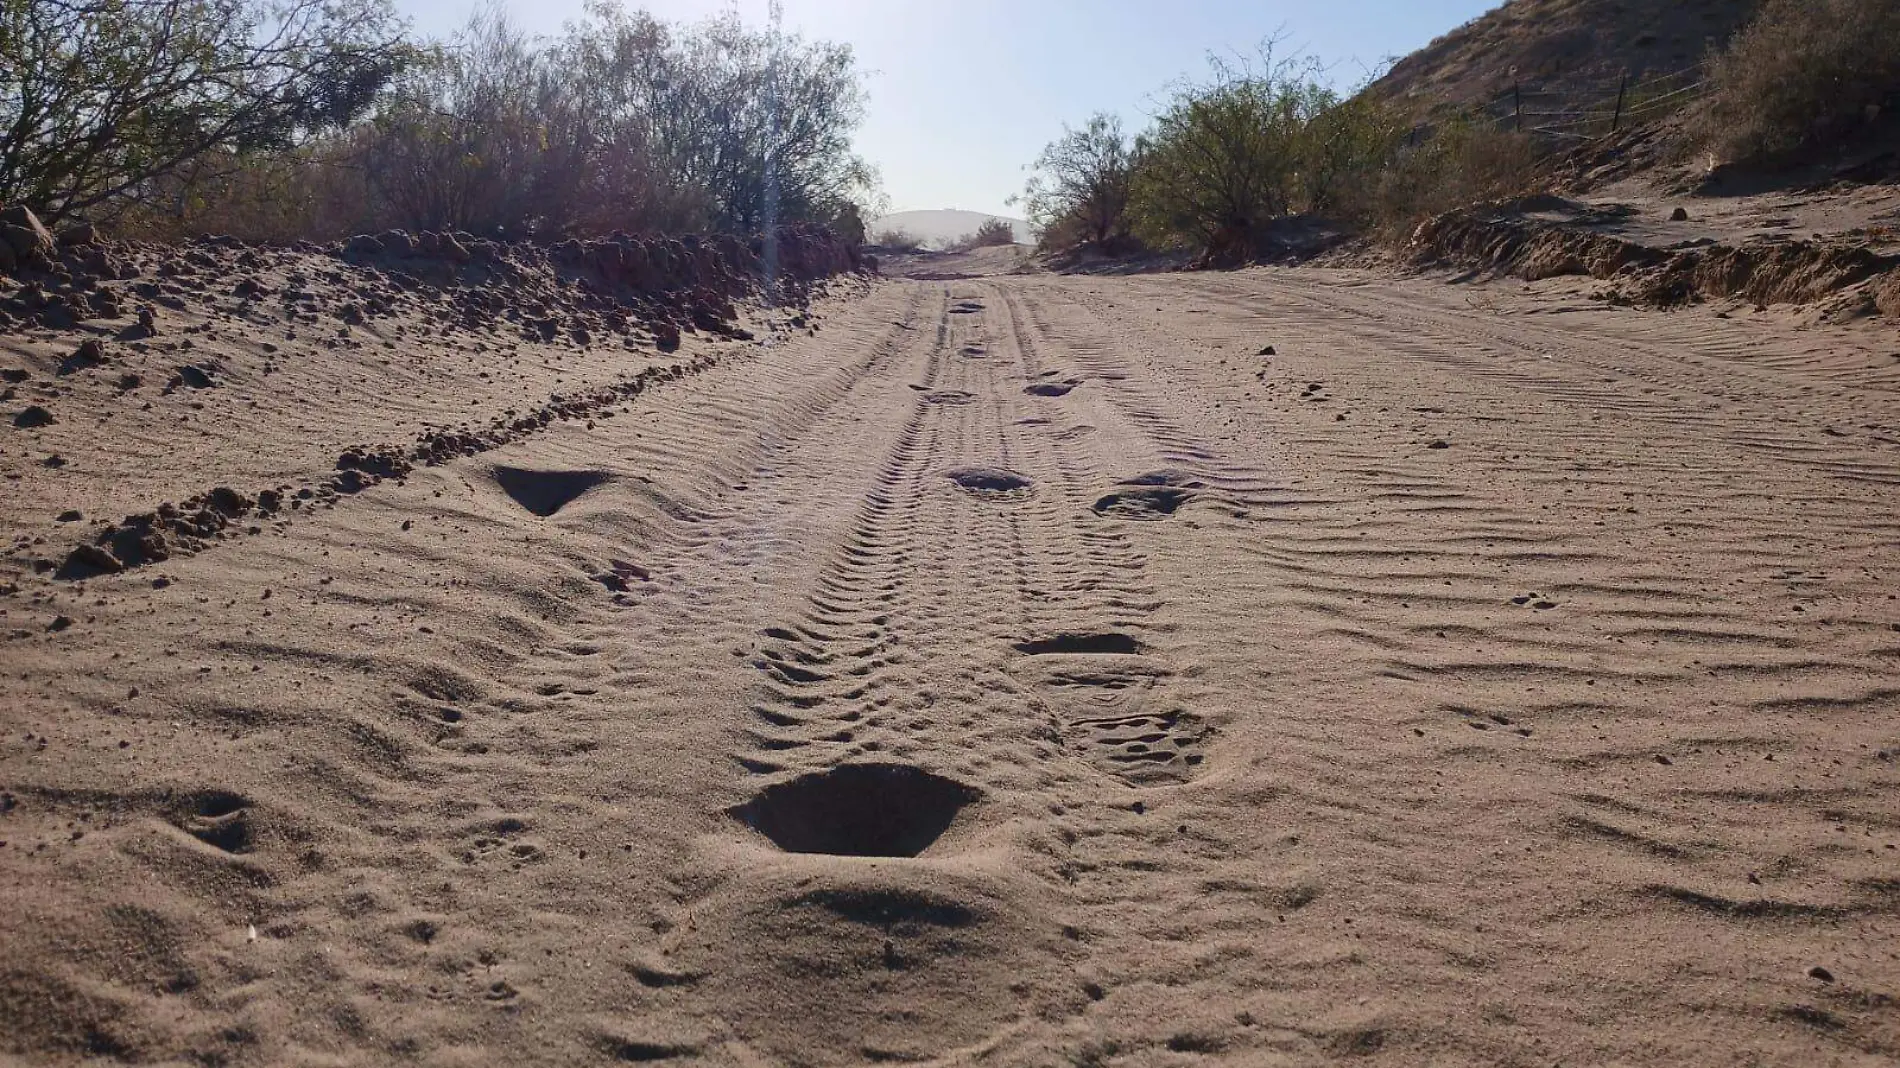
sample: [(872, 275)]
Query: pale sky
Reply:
[(964, 93)]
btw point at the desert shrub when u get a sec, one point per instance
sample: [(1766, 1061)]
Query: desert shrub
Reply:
[(1227, 155), (847, 221), (106, 103), (310, 192), (459, 142), (1254, 143), (313, 118), (625, 122), (993, 232), (1079, 188), (1347, 149), (1804, 73), (988, 234), (1064, 232), (895, 240), (761, 121), (1459, 161)]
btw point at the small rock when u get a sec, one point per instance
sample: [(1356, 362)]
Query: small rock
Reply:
[(88, 559), (1663, 760), (1268, 351), (30, 241), (1679, 215), (1818, 972), (34, 417), (666, 337), (1439, 444), (78, 235), (228, 502), (90, 353), (59, 623)]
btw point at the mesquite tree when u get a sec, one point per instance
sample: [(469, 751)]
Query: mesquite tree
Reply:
[(1081, 181), (102, 99), (622, 122)]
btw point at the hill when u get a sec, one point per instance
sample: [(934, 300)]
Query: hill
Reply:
[(1560, 44), (945, 225)]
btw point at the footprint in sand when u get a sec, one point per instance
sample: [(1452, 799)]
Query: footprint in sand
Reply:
[(991, 482), (1155, 495)]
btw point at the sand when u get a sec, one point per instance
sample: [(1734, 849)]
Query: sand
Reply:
[(1003, 669)]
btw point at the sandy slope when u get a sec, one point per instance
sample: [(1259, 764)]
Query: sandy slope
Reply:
[(1480, 678)]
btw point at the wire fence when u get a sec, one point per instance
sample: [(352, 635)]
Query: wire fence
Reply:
[(1574, 112)]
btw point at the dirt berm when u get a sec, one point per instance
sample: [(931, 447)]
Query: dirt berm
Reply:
[(1503, 236), (93, 329)]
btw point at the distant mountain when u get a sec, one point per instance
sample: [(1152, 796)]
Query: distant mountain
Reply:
[(943, 227)]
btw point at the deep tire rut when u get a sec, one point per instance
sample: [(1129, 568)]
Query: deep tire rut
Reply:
[(909, 644)]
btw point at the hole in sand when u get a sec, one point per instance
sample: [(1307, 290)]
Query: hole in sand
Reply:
[(546, 492), (1149, 496), (858, 810), (1049, 389), (218, 818), (989, 481), (1061, 644)]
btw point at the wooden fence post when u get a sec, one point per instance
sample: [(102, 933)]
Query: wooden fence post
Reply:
[(1622, 87)]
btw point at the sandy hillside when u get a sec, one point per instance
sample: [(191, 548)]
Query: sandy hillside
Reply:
[(1564, 45), (1275, 667)]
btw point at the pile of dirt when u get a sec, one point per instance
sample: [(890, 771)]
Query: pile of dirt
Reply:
[(611, 285), (1507, 237), (218, 336)]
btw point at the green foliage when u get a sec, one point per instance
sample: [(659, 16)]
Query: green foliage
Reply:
[(315, 118), (895, 240), (623, 122), (989, 234), (848, 223), (1250, 144), (1224, 157), (1462, 160), (992, 232), (1803, 74), (1079, 187), (1347, 149), (101, 101)]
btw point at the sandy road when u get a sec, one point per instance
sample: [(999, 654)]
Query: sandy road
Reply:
[(1479, 678)]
